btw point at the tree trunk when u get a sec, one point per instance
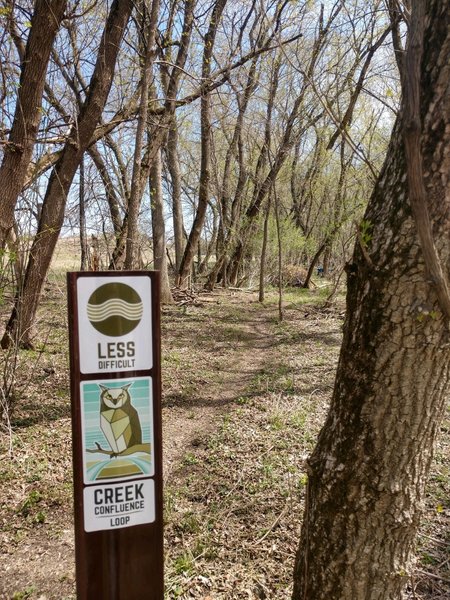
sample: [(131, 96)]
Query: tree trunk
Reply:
[(337, 216), (112, 194), (84, 266), (312, 266), (159, 233), (45, 24), (22, 318), (368, 472), (262, 265), (326, 260), (136, 191), (173, 163), (280, 255), (205, 174)]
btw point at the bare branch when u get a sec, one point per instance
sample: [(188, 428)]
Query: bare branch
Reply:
[(412, 134)]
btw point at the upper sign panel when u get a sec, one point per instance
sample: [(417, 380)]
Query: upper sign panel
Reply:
[(115, 323)]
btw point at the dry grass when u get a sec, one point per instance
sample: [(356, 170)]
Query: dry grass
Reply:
[(244, 399)]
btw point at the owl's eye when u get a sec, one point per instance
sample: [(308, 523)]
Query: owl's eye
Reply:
[(108, 396), (120, 396)]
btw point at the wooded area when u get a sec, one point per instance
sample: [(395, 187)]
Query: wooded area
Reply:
[(256, 145), (270, 100)]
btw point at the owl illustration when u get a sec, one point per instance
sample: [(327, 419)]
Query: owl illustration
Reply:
[(119, 420)]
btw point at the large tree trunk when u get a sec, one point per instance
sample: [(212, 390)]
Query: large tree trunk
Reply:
[(45, 24), (19, 327), (368, 471)]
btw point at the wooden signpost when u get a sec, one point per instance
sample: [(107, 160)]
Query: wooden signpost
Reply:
[(114, 332)]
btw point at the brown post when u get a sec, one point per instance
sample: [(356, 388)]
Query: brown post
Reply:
[(115, 361)]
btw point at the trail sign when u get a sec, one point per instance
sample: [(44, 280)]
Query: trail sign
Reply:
[(115, 324), (116, 418), (119, 505)]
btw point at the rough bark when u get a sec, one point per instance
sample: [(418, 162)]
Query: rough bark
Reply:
[(368, 471), (412, 127), (45, 24), (19, 327)]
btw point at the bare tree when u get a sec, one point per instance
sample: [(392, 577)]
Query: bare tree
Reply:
[(134, 201), (45, 23), (296, 125), (19, 327), (368, 471), (205, 168)]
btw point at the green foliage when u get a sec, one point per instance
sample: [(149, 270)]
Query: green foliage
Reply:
[(190, 523), (303, 481), (189, 459), (184, 564), (365, 230), (33, 498), (428, 559), (24, 594), (293, 242), (276, 422), (39, 518)]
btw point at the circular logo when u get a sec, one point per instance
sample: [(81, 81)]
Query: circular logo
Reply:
[(114, 309)]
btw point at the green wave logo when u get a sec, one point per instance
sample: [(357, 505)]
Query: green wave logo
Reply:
[(115, 309)]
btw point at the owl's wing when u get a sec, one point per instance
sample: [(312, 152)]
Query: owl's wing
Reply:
[(136, 431), (108, 432)]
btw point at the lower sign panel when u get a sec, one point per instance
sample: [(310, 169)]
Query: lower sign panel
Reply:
[(119, 505)]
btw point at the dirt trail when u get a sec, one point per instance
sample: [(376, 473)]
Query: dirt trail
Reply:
[(212, 350), (243, 400), (223, 364)]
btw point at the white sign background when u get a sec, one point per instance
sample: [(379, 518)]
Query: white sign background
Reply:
[(125, 510), (91, 340)]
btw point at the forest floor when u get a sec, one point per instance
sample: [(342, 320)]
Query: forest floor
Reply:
[(244, 397)]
